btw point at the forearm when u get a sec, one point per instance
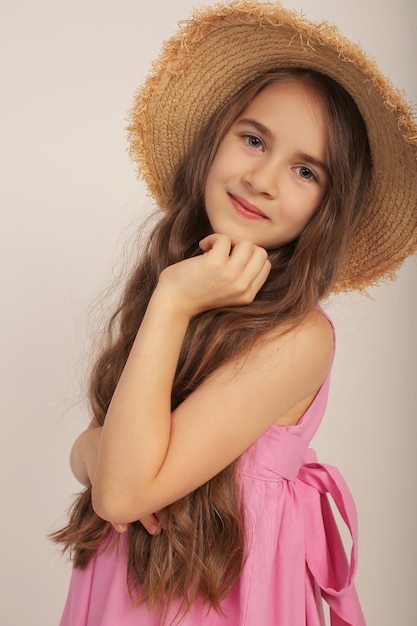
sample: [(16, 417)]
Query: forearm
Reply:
[(138, 440), (136, 433)]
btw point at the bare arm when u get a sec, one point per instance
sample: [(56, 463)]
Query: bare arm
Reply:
[(83, 461), (149, 457), (84, 452)]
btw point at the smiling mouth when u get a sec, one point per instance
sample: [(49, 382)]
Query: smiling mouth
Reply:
[(246, 209)]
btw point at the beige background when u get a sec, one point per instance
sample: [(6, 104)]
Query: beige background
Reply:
[(70, 201)]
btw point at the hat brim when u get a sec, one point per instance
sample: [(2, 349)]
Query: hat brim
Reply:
[(223, 47)]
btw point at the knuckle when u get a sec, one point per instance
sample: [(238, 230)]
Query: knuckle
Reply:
[(248, 297), (223, 238), (243, 291), (262, 253)]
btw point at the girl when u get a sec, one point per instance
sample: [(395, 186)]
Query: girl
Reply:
[(260, 136)]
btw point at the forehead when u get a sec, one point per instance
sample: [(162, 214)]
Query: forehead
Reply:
[(290, 109), (289, 92)]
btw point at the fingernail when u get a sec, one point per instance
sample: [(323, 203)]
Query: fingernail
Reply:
[(154, 530)]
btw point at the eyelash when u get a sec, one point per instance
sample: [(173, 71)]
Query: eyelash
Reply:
[(248, 136), (312, 174)]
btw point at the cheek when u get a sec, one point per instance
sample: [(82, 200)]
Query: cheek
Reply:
[(300, 209), (215, 176), (223, 161), (208, 187), (211, 189)]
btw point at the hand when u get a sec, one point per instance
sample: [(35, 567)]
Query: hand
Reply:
[(151, 523), (229, 273)]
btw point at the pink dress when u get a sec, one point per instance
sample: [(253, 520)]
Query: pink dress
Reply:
[(296, 557)]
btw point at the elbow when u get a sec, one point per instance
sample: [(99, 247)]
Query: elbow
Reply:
[(107, 506), (100, 506), (116, 508)]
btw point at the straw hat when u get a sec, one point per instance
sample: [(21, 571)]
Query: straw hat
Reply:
[(223, 47)]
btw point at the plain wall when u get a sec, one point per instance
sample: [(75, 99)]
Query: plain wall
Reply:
[(70, 201)]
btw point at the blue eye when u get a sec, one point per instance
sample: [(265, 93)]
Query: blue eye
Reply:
[(305, 172), (253, 141)]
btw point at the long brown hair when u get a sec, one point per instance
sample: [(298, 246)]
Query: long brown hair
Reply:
[(200, 553)]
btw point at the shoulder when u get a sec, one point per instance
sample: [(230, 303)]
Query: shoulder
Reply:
[(314, 346), (296, 360), (307, 343), (315, 332), (283, 368)]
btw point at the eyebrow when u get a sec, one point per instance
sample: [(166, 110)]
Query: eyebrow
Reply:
[(265, 131), (313, 161)]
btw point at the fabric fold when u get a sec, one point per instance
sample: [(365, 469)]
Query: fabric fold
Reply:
[(334, 574)]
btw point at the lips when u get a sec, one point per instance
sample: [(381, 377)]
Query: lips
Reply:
[(245, 208)]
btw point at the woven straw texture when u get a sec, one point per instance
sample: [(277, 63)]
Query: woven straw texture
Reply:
[(220, 49)]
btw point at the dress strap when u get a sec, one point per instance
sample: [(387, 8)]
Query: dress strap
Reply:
[(325, 554)]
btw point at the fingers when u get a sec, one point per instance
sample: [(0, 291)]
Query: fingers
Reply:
[(150, 523), (237, 252), (251, 266), (229, 273), (246, 254), (253, 275), (222, 244), (121, 528), (246, 264), (262, 276), (239, 249)]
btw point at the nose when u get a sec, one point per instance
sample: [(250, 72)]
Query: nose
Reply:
[(262, 178)]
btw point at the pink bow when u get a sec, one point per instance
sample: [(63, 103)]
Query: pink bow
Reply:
[(334, 574)]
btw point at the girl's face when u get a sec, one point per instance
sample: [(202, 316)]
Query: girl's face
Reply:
[(269, 174)]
